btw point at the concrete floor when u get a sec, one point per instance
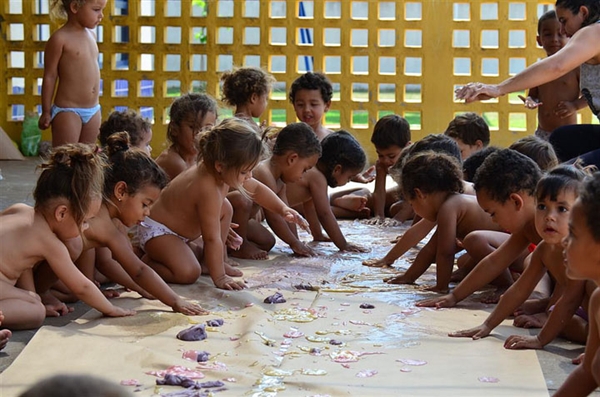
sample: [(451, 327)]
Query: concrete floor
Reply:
[(17, 184)]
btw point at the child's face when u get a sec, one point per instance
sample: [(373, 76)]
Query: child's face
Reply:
[(189, 129), (90, 13), (421, 205), (310, 107), (259, 104), (551, 38), (506, 214), (297, 167), (387, 157), (552, 217), (135, 208), (467, 150), (569, 22), (341, 177), (581, 251)]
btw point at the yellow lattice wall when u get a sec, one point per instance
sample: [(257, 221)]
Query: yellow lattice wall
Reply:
[(382, 56)]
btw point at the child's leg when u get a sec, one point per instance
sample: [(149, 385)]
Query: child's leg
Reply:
[(21, 309), (91, 129), (172, 259), (5, 334), (66, 128), (241, 214), (401, 211), (351, 203)]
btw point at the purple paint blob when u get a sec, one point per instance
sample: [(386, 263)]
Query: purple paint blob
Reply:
[(195, 333), (367, 306), (275, 298), (215, 322)]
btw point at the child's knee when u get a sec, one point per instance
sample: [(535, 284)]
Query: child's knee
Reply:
[(189, 275)]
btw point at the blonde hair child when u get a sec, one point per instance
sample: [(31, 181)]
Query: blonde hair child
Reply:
[(68, 193)]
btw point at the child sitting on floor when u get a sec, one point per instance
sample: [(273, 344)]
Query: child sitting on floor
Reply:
[(582, 257), (296, 150), (195, 204), (471, 133), (555, 195), (557, 101), (247, 89), (138, 128), (132, 184), (432, 184), (504, 184), (68, 193), (189, 115), (391, 135), (342, 158)]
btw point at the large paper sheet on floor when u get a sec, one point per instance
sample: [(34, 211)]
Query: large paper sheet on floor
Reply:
[(317, 343)]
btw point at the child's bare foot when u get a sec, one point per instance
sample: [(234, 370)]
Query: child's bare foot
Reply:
[(459, 274), (531, 306), (398, 280), (530, 321), (578, 360), (437, 289), (402, 211), (351, 202), (249, 251), (231, 262), (232, 271), (5, 334)]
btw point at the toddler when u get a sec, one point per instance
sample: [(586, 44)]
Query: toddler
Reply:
[(247, 89), (138, 128), (471, 133)]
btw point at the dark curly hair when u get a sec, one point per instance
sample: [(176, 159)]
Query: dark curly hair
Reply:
[(506, 172), (469, 128), (191, 106), (589, 196), (298, 138), (430, 172), (128, 121), (340, 148), (391, 130), (312, 81), (239, 85), (471, 164)]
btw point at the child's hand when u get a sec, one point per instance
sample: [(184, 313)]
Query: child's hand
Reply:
[(292, 216), (530, 103), (401, 279), (515, 342), (44, 121), (354, 248), (367, 176), (188, 308), (119, 312), (234, 240), (476, 333), (565, 109), (377, 262), (227, 283), (54, 307), (302, 249), (447, 300)]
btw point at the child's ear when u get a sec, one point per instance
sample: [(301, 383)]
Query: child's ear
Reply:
[(337, 170), (74, 7), (60, 212), (120, 190), (538, 40), (218, 167), (479, 144), (517, 200), (327, 105), (419, 193), (292, 158), (254, 98)]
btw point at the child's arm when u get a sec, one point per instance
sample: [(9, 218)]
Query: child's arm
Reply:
[(533, 99), (318, 192), (564, 309), (565, 109), (145, 277), (52, 55), (366, 177), (581, 381), (446, 246), (59, 260), (487, 270), (379, 192), (409, 239), (113, 270), (424, 259), (510, 300)]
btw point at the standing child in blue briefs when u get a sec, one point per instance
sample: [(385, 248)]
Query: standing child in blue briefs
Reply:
[(247, 90), (559, 100), (71, 57)]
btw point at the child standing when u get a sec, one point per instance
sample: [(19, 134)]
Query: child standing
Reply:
[(296, 151), (247, 89), (432, 184), (505, 185), (71, 57), (555, 195), (342, 158), (582, 257), (311, 94), (559, 100), (68, 193), (189, 115), (195, 204), (471, 133), (138, 128)]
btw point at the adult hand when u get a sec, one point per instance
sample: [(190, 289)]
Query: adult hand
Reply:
[(477, 92)]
